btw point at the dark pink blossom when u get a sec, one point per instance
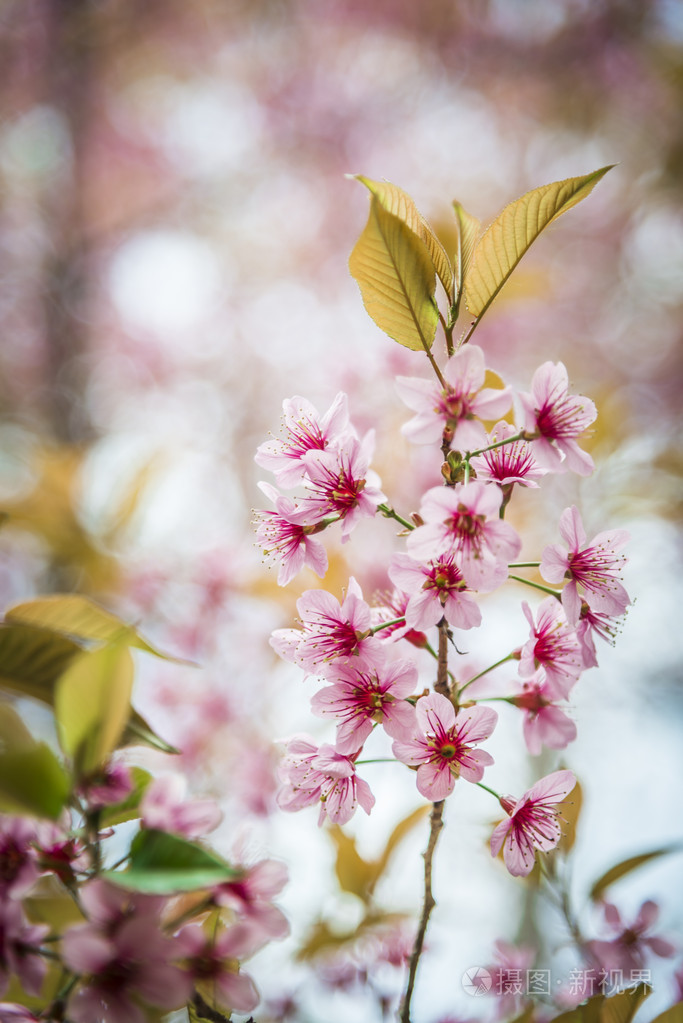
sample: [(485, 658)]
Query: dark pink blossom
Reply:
[(164, 807), (11, 1012), (122, 958), (341, 483), (553, 645), (332, 632), (111, 785), (311, 775), (545, 723), (306, 431), (19, 949), (18, 857), (437, 589), (360, 697), (593, 568), (444, 748), (453, 412), (509, 976), (393, 607), (532, 822), (285, 535), (555, 420), (464, 519), (510, 463), (213, 961), (250, 894)]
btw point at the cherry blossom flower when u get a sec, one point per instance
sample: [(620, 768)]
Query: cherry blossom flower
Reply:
[(19, 948), (532, 822), (59, 852), (594, 623), (341, 483), (628, 950), (122, 956), (450, 413), (510, 463), (306, 431), (594, 567), (11, 1012), (18, 857), (249, 895), (359, 697), (553, 645), (545, 724), (464, 519), (214, 961), (445, 749), (286, 536), (556, 419), (332, 632), (324, 775), (437, 589), (164, 807)]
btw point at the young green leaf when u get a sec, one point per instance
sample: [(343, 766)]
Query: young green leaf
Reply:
[(129, 808), (165, 864), (139, 733), (395, 275), (92, 704), (32, 781), (625, 867), (512, 232), (395, 200), (78, 617)]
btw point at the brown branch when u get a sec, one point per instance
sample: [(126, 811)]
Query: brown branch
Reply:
[(442, 685), (435, 826)]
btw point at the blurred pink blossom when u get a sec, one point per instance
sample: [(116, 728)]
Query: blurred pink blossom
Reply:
[(629, 949), (19, 944), (214, 961), (164, 807)]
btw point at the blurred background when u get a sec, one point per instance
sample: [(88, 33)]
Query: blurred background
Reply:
[(175, 225)]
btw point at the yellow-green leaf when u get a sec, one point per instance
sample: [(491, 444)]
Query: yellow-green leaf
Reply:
[(398, 202), (129, 808), (78, 617), (354, 874), (402, 829), (32, 659), (139, 733), (469, 228), (92, 704), (569, 811), (625, 867), (512, 232), (395, 274), (672, 1015), (622, 1007)]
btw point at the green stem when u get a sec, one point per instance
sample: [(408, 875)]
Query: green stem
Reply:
[(525, 564), (537, 586), (498, 444), (508, 657), (379, 760), (487, 789), (389, 513), (385, 625)]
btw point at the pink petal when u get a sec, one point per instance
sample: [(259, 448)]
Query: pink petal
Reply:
[(435, 712), (435, 781)]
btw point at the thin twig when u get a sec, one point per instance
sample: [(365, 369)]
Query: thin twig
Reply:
[(441, 685), (435, 826)]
